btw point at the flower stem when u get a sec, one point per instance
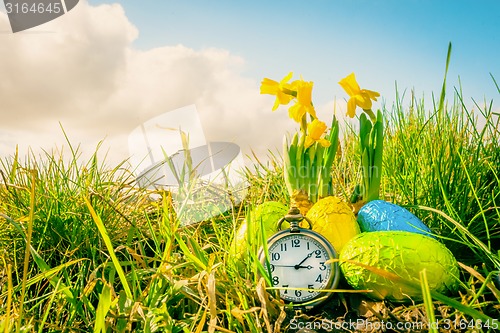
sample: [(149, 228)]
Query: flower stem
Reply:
[(303, 124), (372, 116)]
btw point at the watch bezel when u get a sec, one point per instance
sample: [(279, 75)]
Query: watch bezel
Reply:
[(334, 277)]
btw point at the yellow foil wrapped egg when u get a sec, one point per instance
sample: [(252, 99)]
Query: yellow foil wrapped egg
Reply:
[(334, 219)]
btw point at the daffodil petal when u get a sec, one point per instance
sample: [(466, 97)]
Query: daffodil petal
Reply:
[(316, 128), (350, 85), (363, 101), (309, 142), (351, 107), (286, 78), (372, 94), (324, 142), (283, 98), (269, 86), (276, 104), (304, 93), (296, 112)]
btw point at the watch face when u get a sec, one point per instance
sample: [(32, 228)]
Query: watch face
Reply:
[(299, 260)]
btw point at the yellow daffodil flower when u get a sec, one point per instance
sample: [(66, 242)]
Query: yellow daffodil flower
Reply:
[(282, 90), (358, 97), (304, 100), (316, 129)]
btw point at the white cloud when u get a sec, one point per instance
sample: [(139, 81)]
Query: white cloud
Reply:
[(82, 71)]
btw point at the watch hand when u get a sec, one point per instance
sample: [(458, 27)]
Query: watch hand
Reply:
[(300, 263), (308, 267), (294, 266), (284, 265)]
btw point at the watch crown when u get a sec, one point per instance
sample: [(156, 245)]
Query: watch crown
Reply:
[(294, 217), (294, 211)]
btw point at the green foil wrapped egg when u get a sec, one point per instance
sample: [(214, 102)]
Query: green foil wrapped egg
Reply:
[(266, 214), (402, 253)]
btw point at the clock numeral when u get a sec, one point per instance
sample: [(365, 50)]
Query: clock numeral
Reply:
[(319, 279), (298, 293), (310, 286), (295, 242), (285, 286), (317, 253), (276, 280), (283, 247), (308, 245), (323, 266), (275, 256)]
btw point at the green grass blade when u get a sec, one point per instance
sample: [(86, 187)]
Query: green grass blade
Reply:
[(10, 291), (102, 309), (288, 157), (109, 247), (199, 262), (495, 260), (443, 89), (46, 271), (429, 306), (495, 82), (29, 233), (13, 169), (47, 310)]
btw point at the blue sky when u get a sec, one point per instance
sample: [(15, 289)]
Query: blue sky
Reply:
[(107, 66), (383, 42)]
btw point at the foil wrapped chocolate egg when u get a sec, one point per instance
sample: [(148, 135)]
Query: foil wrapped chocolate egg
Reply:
[(267, 215), (334, 219), (379, 215), (388, 263)]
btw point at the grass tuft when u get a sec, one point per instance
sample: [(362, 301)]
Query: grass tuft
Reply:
[(82, 249)]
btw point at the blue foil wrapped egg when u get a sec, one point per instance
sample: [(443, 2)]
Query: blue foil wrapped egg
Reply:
[(379, 215)]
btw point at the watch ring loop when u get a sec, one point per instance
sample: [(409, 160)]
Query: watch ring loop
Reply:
[(283, 219)]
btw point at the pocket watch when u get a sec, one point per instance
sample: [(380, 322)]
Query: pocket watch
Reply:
[(297, 263)]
